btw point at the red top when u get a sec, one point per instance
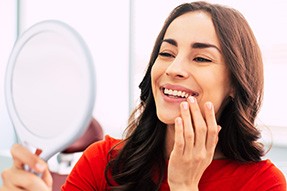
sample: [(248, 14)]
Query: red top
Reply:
[(88, 174)]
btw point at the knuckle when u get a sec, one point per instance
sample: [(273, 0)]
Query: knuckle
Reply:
[(202, 128), (5, 174), (189, 136), (213, 132), (199, 157), (179, 145), (210, 153), (15, 148)]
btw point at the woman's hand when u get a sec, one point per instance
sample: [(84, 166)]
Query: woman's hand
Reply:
[(194, 145), (16, 178)]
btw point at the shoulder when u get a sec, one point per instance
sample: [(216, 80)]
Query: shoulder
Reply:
[(102, 147), (268, 175), (89, 172), (234, 175), (264, 169), (98, 154)]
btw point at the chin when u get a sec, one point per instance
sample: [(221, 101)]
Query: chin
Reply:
[(167, 118)]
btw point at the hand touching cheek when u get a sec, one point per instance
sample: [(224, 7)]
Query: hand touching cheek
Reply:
[(194, 146)]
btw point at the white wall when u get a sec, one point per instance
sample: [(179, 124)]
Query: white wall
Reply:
[(7, 37)]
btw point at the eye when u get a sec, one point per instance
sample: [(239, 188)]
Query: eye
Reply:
[(200, 59), (166, 54)]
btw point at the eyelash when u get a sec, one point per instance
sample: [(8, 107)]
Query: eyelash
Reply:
[(165, 54), (200, 59), (196, 59)]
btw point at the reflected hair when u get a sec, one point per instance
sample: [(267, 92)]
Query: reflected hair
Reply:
[(140, 164)]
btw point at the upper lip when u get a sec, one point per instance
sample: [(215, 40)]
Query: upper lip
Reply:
[(190, 92)]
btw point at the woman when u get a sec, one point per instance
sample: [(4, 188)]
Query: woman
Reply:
[(194, 128)]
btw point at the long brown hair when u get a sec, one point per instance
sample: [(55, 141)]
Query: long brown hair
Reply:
[(140, 164)]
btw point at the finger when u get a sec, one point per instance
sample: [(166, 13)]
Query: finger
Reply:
[(9, 188), (212, 127), (7, 184), (178, 147), (30, 182), (22, 155), (188, 130), (10, 177), (17, 179), (47, 177), (199, 124)]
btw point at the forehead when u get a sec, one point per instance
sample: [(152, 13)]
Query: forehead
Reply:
[(196, 26)]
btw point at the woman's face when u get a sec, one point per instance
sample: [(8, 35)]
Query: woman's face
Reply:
[(190, 63)]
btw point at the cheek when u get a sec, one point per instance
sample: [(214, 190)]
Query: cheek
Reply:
[(153, 79), (156, 72), (216, 90)]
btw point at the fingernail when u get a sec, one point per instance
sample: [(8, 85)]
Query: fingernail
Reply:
[(38, 152), (209, 105), (40, 167), (185, 105), (178, 120), (191, 99)]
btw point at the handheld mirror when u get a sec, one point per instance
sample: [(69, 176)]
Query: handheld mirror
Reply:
[(50, 87)]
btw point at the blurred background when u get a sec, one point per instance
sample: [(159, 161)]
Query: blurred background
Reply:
[(120, 35)]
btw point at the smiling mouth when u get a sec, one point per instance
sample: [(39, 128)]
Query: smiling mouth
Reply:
[(178, 93)]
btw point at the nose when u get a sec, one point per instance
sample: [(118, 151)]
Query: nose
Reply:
[(177, 69)]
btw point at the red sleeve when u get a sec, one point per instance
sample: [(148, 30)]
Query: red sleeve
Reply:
[(232, 175), (271, 178), (89, 172)]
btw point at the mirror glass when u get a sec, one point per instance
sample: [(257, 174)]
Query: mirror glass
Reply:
[(50, 87)]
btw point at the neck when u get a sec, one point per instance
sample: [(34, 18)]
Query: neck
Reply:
[(170, 142)]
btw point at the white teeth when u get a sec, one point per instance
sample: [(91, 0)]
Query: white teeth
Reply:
[(175, 93)]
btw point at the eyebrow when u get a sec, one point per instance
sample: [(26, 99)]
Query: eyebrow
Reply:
[(196, 45)]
